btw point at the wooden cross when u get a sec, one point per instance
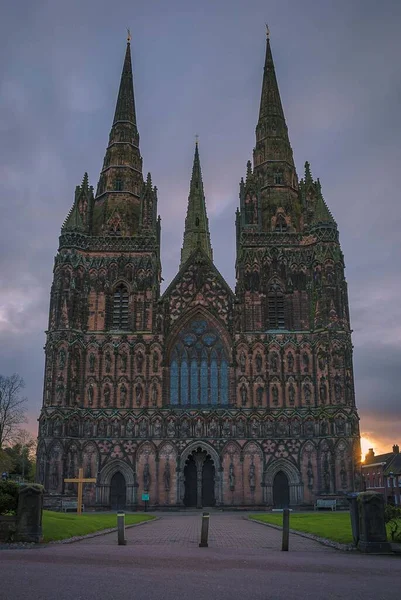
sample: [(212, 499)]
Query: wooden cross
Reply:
[(80, 481)]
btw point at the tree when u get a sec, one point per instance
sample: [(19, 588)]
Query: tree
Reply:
[(12, 407)]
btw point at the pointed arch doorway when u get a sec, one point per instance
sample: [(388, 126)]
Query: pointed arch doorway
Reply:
[(118, 491), (199, 480), (281, 490)]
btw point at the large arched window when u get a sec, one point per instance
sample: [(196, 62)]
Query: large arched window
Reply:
[(199, 367), (120, 308)]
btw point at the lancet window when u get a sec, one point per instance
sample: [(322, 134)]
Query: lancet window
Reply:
[(199, 367), (120, 308)]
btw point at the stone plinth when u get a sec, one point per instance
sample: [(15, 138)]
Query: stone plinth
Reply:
[(29, 513), (372, 528)]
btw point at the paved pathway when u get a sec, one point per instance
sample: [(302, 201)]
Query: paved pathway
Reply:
[(226, 530), (162, 561)]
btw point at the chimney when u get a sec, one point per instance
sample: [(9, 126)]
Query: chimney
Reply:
[(370, 454), (396, 449)]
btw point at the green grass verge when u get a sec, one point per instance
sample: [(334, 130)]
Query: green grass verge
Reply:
[(334, 526), (61, 526)]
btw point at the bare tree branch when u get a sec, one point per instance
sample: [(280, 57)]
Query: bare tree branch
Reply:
[(12, 407)]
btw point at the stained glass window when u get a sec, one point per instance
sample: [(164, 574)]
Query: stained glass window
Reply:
[(199, 367)]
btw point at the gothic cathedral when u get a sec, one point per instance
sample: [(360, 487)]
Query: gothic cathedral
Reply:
[(199, 396)]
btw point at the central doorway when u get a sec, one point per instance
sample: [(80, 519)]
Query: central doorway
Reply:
[(118, 491), (281, 491), (199, 461)]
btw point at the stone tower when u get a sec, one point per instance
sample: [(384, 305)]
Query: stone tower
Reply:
[(200, 396)]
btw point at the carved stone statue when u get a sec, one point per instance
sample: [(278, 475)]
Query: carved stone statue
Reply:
[(244, 394), (106, 395), (107, 362), (242, 361), (305, 362), (57, 428), (198, 428), (146, 477), (61, 359), (290, 361), (252, 477), (240, 428), (155, 362), (170, 428), (139, 361), (231, 477), (226, 429), (323, 390), (90, 394), (143, 429), (291, 394), (101, 429), (254, 428), (92, 362), (116, 429), (258, 362), (138, 394), (129, 429), (157, 428), (167, 476), (124, 361), (275, 394), (309, 429), (123, 395), (154, 394), (310, 476), (213, 428), (87, 429), (307, 393), (274, 362), (338, 389), (323, 428), (184, 429)]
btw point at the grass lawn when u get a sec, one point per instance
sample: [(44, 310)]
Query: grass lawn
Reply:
[(60, 526), (334, 526)]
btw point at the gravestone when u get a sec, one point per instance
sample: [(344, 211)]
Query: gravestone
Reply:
[(29, 513), (372, 527)]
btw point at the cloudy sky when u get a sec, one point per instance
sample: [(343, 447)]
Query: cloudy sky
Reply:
[(198, 69)]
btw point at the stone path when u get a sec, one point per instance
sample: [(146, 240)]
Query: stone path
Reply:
[(226, 530)]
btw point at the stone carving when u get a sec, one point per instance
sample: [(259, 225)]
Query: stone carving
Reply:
[(305, 362), (138, 394), (244, 394), (290, 361), (101, 428), (92, 362), (338, 389), (291, 394), (213, 428), (87, 428), (90, 394), (154, 394), (231, 477), (143, 428), (155, 362), (124, 360), (254, 428), (170, 428), (146, 477), (106, 395), (57, 428), (258, 362), (198, 428), (157, 428), (184, 429), (309, 429), (116, 429), (323, 390), (61, 359), (129, 429), (107, 361), (167, 476), (310, 476), (226, 429), (139, 361), (242, 361), (307, 393), (274, 362), (259, 395), (240, 428), (123, 395), (275, 394), (252, 477)]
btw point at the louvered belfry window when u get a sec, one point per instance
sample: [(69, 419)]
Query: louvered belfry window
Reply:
[(275, 308), (120, 308)]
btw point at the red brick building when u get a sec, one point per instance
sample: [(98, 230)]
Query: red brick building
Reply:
[(201, 395), (382, 473)]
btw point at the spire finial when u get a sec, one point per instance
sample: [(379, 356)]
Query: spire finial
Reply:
[(196, 139), (267, 31), (128, 35)]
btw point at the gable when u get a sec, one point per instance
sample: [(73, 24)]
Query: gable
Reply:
[(199, 283)]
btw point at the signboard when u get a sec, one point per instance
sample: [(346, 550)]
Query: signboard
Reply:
[(145, 497)]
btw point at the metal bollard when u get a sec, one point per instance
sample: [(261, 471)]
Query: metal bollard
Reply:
[(286, 529), (121, 529), (204, 530)]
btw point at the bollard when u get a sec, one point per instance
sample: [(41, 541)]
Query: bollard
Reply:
[(204, 530), (121, 529), (286, 529)]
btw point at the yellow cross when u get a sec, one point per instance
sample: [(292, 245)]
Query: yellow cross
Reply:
[(80, 481)]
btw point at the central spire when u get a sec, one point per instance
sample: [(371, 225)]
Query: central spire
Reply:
[(196, 234)]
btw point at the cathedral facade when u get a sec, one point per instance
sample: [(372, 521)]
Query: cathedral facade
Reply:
[(200, 396)]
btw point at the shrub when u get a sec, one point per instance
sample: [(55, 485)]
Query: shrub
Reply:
[(392, 516), (8, 496)]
